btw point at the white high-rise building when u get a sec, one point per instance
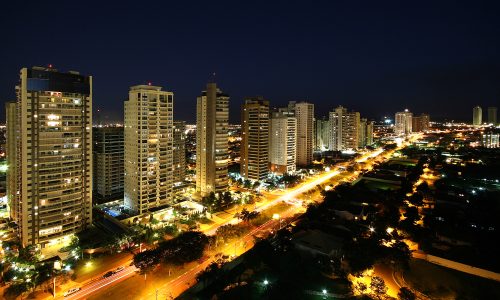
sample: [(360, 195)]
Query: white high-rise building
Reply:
[(344, 129), (403, 123), (282, 141), (477, 116), (492, 115), (304, 112), (148, 148), (212, 148), (50, 145)]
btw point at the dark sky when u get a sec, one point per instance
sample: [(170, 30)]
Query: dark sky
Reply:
[(377, 57)]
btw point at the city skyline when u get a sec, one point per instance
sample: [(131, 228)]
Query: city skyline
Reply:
[(250, 150), (422, 66)]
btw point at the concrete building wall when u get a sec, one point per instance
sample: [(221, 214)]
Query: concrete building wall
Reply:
[(53, 177), (148, 148), (255, 139), (212, 149)]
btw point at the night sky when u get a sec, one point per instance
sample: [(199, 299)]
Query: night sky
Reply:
[(377, 57)]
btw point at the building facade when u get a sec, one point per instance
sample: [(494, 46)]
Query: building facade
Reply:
[(490, 140), (212, 152), (304, 112), (420, 123), (179, 152), (282, 141), (322, 134), (11, 141), (403, 123), (477, 116), (148, 148), (344, 129), (51, 128), (492, 115), (369, 133), (255, 139), (109, 155)]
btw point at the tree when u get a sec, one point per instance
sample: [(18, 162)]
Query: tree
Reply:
[(406, 294), (247, 184), (411, 215), (256, 185), (378, 287), (246, 216), (362, 254), (416, 199), (423, 187), (399, 254), (211, 272), (147, 260)]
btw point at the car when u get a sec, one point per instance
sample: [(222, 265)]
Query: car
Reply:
[(108, 274), (119, 269), (71, 291)]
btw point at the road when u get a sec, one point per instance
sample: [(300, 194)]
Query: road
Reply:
[(101, 282), (184, 280)]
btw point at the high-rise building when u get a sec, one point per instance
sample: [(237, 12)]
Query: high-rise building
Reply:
[(420, 123), (369, 133), (11, 141), (148, 148), (304, 112), (362, 133), (477, 116), (282, 141), (492, 115), (322, 134), (212, 153), (403, 123), (108, 160), (344, 129), (179, 160), (51, 128), (254, 163), (490, 139)]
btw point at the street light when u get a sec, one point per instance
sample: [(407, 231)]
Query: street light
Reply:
[(266, 282)]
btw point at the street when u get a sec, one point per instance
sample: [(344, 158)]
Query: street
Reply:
[(124, 285)]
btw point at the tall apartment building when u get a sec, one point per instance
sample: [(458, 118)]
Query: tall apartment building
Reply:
[(420, 123), (109, 155), (344, 129), (362, 133), (322, 134), (179, 153), (255, 139), (403, 123), (492, 115), (50, 125), (304, 112), (11, 141), (212, 153), (148, 148), (365, 133), (369, 133), (282, 141), (477, 116)]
